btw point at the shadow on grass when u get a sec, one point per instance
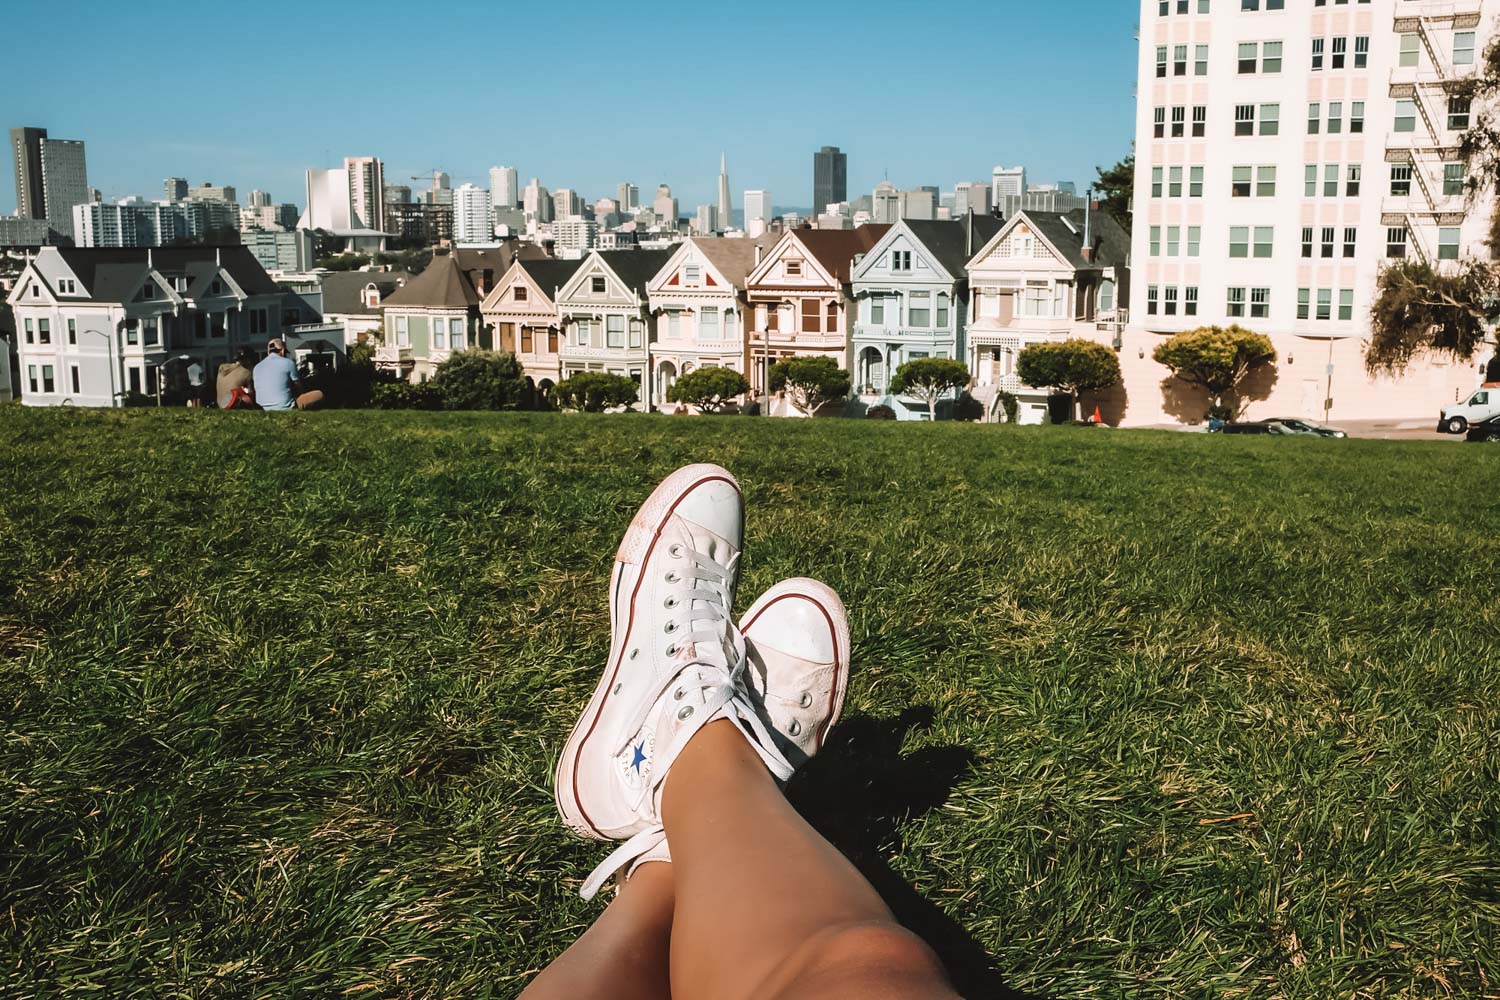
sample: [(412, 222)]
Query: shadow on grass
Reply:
[(858, 791)]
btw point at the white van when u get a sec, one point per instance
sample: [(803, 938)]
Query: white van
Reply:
[(1483, 405)]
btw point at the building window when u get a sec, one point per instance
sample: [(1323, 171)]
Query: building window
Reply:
[(581, 333), (1357, 117), (1161, 61), (1200, 120), (1244, 119), (1400, 179), (1351, 237), (1325, 245), (1352, 177), (1169, 300), (1248, 57), (1304, 302), (1190, 300), (1260, 303), (1448, 243), (1174, 240), (1174, 182), (1200, 59), (1239, 186), (919, 309), (1335, 117), (1158, 123), (1235, 306), (1263, 240), (1361, 51), (1458, 112), (1194, 238), (49, 378), (1265, 182), (1395, 241), (1270, 119), (1325, 304), (1453, 180), (1463, 48), (1307, 241), (1270, 57), (1179, 60), (1239, 241), (1195, 182), (1317, 54), (1155, 241), (811, 316), (31, 378), (1336, 59), (1179, 121), (1409, 53), (614, 331), (1330, 180), (1314, 117), (1406, 115), (596, 286), (1346, 303), (44, 331), (1152, 296), (1310, 180)]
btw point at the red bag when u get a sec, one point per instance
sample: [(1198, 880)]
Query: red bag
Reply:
[(240, 399)]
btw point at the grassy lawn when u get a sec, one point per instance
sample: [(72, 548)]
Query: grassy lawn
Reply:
[(1134, 714)]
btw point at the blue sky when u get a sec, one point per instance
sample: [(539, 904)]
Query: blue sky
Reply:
[(581, 94)]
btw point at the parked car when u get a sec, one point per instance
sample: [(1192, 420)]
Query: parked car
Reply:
[(1486, 430), (1483, 405), (1298, 426), (1254, 427)]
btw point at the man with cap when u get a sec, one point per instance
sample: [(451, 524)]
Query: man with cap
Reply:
[(277, 386), (236, 375)]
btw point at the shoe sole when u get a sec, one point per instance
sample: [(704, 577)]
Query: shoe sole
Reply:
[(634, 552), (827, 601)]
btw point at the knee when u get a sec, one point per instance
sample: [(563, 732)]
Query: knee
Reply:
[(887, 949)]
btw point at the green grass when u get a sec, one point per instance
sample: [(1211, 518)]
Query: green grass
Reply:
[(1133, 714)]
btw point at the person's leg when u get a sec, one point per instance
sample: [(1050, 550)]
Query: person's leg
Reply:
[(766, 908), (310, 400), (624, 954)]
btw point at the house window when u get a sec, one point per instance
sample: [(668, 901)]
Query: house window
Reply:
[(1036, 300), (708, 324), (74, 380), (44, 331), (596, 286), (919, 309), (150, 331), (457, 338), (526, 343), (637, 333), (134, 375), (877, 309), (811, 316), (1260, 303), (148, 290), (152, 377), (581, 333), (692, 274), (439, 333), (1448, 243), (614, 331), (30, 333), (1106, 296), (833, 317), (794, 269), (73, 333), (942, 311), (900, 260), (1239, 241), (520, 293), (1235, 304), (403, 335)]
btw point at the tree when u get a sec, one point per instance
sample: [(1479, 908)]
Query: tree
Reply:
[(480, 380), (1420, 308), (1069, 366), (810, 382), (1217, 359), (928, 379), (594, 392), (708, 388), (1116, 187)]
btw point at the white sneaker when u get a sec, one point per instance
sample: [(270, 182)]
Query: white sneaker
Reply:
[(797, 642), (675, 665)]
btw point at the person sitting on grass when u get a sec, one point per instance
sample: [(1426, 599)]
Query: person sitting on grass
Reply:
[(680, 753), (234, 387), (277, 386)]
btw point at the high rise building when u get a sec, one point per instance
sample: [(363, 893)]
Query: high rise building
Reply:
[(51, 177), (366, 190), (830, 178), (1007, 182), (1284, 159), (175, 188), (885, 204), (705, 220), (504, 189), (397, 194), (976, 197), (725, 207), (758, 206), (664, 205), (257, 199), (471, 215), (566, 204), (629, 197), (213, 192), (536, 201), (918, 203)]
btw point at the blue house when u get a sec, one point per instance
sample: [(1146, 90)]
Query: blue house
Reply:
[(912, 291)]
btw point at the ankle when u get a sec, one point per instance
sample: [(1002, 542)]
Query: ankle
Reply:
[(718, 757)]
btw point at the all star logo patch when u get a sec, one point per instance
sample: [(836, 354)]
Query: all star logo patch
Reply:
[(635, 759)]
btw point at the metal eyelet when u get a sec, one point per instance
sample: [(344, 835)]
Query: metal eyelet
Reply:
[(672, 650), (806, 699), (675, 551), (677, 695), (794, 728), (669, 603), (670, 628), (634, 653), (686, 711), (672, 577)]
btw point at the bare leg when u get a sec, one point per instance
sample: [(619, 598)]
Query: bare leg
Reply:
[(766, 908), (624, 954)]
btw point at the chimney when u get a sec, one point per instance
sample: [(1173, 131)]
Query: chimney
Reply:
[(758, 250), (1088, 229)]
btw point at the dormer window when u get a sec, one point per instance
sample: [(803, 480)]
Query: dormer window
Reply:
[(217, 288), (148, 290), (372, 296), (520, 293), (67, 286), (596, 286), (181, 284), (692, 274), (36, 291), (794, 269)]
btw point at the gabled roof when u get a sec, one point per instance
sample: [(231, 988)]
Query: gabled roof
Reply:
[(550, 275), (835, 249), (112, 275), (344, 291), (733, 256), (635, 268), (442, 285), (951, 244), (1064, 230)]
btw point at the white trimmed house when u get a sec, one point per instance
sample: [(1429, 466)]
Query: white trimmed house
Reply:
[(522, 315), (701, 311), (912, 294), (1045, 276), (605, 318)]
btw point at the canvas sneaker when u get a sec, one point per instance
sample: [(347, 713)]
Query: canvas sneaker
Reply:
[(797, 644), (675, 664)]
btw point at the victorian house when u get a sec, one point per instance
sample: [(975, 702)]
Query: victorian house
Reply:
[(1045, 276), (803, 300), (606, 322), (521, 313), (700, 306), (96, 327), (912, 292)]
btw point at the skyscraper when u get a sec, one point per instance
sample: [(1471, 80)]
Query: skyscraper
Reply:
[(757, 206), (258, 199), (830, 178), (504, 187), (537, 202), (366, 190), (726, 203), (176, 189), (629, 197), (1007, 182), (664, 205), (51, 177), (471, 215)]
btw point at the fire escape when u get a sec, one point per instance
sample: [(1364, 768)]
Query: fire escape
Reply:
[(1426, 149)]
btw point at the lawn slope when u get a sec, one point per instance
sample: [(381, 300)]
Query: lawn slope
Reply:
[(1134, 714)]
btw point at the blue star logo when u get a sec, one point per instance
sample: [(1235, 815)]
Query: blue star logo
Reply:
[(638, 756)]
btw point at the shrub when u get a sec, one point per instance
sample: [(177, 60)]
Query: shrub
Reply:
[(708, 388), (966, 407), (406, 396), (1070, 366), (595, 392), (880, 412), (810, 382), (1217, 359), (480, 380), (1011, 404)]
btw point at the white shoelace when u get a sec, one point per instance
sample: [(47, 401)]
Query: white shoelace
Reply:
[(719, 660)]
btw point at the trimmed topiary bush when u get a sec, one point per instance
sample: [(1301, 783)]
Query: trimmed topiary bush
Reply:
[(880, 412)]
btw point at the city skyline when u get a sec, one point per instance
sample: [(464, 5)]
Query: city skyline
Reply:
[(409, 121)]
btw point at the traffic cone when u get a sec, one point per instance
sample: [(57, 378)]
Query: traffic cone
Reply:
[(1098, 417)]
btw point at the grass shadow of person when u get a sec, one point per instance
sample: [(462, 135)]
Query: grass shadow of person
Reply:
[(858, 791)]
